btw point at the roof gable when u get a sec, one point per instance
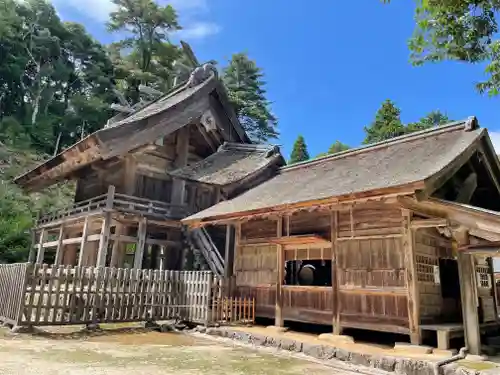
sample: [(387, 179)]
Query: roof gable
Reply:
[(403, 161), (180, 107)]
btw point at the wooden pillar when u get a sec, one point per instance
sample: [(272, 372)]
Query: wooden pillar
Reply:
[(33, 253), (278, 316), (102, 251), (181, 159), (413, 296), (60, 247), (229, 252), (117, 250), (468, 291), (494, 291), (41, 249), (83, 242), (163, 256), (337, 329), (141, 242)]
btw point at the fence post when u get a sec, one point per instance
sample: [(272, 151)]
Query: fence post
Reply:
[(208, 297), (22, 292)]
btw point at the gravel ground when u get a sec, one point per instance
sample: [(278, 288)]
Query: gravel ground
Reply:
[(140, 353)]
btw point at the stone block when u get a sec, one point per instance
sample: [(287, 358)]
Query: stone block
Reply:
[(342, 354), (272, 342), (413, 367), (315, 351), (360, 359), (277, 329), (384, 363), (259, 340), (476, 358), (403, 347), (445, 352), (329, 352), (290, 345), (22, 329), (336, 339)]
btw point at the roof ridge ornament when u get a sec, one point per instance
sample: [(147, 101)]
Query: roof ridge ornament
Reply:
[(201, 74), (471, 124)]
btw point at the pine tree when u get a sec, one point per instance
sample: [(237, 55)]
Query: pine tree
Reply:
[(243, 80), (299, 152), (387, 124)]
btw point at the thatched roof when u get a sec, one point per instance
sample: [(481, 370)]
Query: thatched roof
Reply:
[(231, 163), (401, 161), (178, 108)]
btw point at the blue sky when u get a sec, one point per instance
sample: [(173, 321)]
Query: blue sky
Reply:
[(328, 64)]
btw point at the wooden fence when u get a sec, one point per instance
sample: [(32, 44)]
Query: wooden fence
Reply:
[(38, 295), (12, 282)]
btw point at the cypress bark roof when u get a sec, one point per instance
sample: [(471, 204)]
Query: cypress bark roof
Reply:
[(231, 163), (161, 117), (397, 162)]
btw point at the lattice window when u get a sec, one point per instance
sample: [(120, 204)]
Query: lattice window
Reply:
[(427, 269), (483, 277)]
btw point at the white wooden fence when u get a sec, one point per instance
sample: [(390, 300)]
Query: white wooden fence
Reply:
[(38, 295)]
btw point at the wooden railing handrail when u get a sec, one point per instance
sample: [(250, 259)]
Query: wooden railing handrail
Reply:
[(117, 201)]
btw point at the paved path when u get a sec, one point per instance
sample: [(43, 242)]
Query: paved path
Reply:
[(146, 353)]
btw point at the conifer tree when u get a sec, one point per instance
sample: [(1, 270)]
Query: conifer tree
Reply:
[(243, 80), (387, 124), (299, 152)]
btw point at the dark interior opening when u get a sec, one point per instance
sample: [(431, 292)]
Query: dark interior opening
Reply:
[(308, 272), (485, 194), (450, 290)]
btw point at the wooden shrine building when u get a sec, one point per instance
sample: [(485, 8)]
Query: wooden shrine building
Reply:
[(128, 202), (375, 238)]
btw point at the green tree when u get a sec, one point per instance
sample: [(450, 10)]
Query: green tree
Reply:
[(432, 119), (299, 151), (387, 124), (335, 148), (463, 30), (245, 85), (146, 55)]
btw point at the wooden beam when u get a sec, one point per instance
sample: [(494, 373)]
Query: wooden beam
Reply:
[(429, 223), (440, 178), (41, 250), (104, 241), (83, 242), (413, 295), (467, 189), (489, 169), (229, 252), (32, 253), (337, 328), (139, 251), (60, 247), (206, 137), (468, 291), (181, 159), (278, 317)]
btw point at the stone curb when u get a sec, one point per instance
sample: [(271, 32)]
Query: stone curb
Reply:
[(396, 365)]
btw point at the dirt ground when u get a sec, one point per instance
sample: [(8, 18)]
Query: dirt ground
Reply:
[(138, 352)]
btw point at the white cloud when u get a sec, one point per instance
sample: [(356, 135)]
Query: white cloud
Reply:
[(99, 10), (198, 30), (495, 139)]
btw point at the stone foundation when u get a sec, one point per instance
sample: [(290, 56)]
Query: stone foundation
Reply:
[(396, 365)]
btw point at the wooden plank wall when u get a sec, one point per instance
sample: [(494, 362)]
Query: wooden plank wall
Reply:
[(485, 289), (255, 271), (371, 268), (429, 247)]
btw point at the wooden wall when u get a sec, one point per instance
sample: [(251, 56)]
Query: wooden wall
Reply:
[(429, 247)]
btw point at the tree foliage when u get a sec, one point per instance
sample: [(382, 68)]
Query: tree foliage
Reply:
[(463, 30), (387, 123), (336, 147), (244, 81), (299, 151)]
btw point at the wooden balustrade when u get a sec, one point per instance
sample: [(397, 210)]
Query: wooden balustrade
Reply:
[(118, 202)]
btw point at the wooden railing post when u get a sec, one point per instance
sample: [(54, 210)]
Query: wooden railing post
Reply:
[(110, 197)]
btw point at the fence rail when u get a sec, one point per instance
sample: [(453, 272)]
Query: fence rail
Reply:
[(119, 202), (39, 295)]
